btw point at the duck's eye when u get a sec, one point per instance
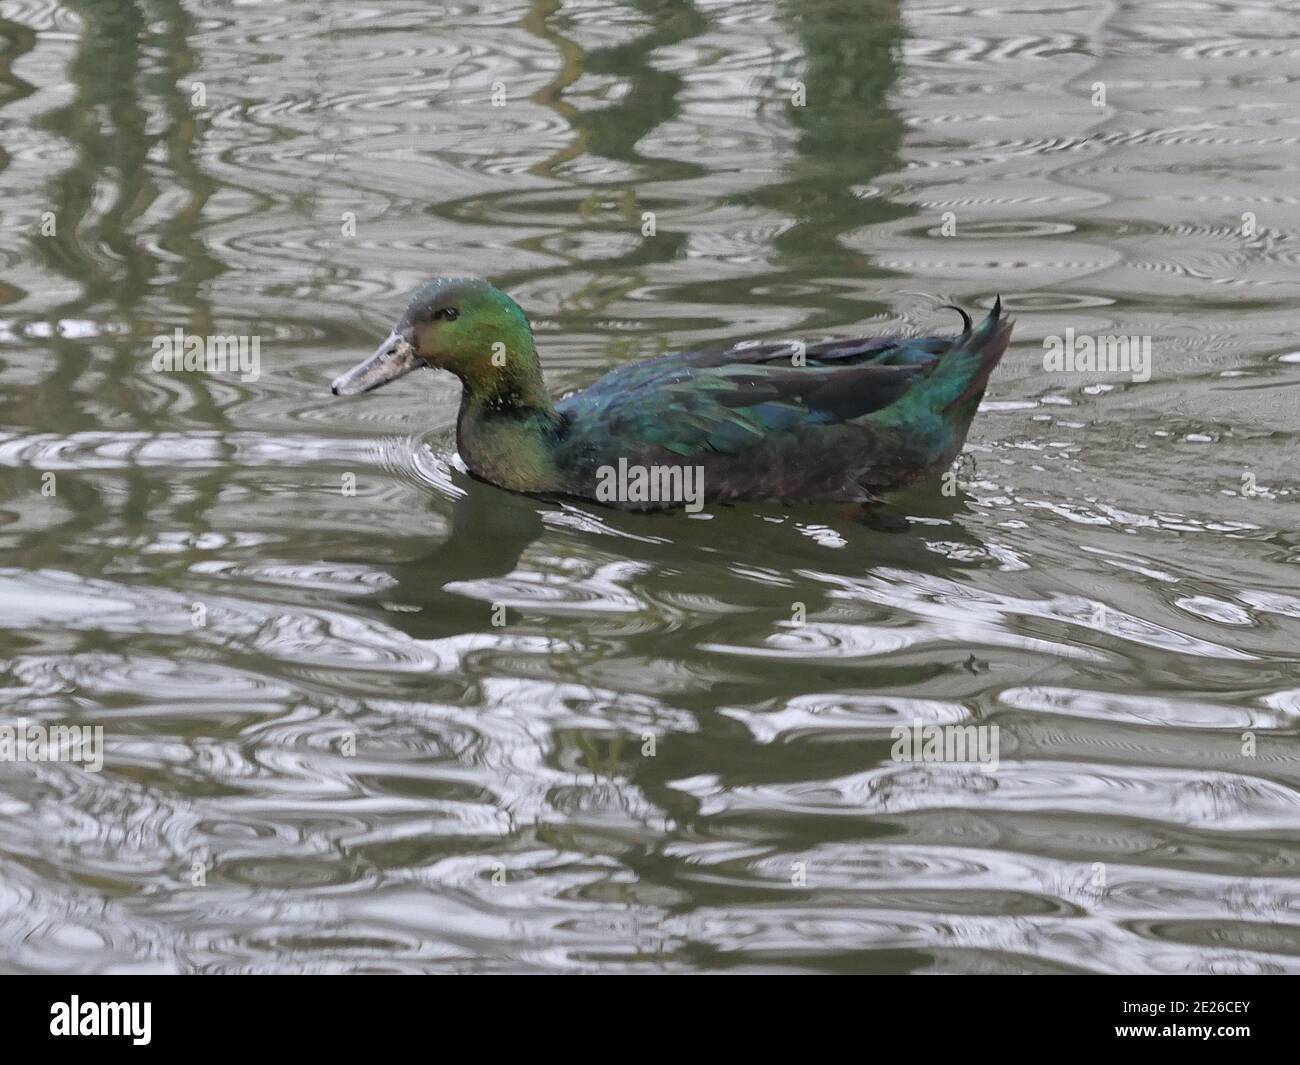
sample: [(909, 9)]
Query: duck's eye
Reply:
[(446, 314)]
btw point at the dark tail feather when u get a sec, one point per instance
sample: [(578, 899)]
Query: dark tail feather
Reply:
[(953, 387), (988, 343), (966, 323)]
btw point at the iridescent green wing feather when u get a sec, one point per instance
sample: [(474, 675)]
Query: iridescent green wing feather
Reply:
[(730, 401)]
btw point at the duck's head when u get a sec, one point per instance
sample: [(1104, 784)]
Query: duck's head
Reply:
[(461, 324)]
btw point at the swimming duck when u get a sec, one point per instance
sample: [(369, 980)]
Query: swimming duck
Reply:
[(837, 420)]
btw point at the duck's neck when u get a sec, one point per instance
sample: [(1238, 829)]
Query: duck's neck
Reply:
[(507, 425)]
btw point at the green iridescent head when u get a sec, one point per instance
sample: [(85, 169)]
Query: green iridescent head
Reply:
[(460, 324)]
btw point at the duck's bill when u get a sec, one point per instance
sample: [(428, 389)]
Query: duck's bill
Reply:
[(394, 358)]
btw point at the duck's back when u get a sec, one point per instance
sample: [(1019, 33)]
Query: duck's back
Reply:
[(837, 420)]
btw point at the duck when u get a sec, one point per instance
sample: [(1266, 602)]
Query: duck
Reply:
[(835, 421)]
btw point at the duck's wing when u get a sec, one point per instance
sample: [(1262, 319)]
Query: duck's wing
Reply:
[(731, 400)]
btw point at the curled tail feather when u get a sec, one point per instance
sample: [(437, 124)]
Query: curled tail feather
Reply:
[(952, 388), (988, 344)]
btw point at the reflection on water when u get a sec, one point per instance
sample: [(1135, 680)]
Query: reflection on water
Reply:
[(365, 713)]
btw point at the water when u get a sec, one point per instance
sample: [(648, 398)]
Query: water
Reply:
[(323, 751)]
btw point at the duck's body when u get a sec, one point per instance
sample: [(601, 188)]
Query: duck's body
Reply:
[(841, 420)]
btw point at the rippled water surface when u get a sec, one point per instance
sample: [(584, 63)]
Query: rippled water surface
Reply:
[(426, 725)]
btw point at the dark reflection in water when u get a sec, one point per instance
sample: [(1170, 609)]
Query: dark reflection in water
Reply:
[(847, 137), (366, 713)]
